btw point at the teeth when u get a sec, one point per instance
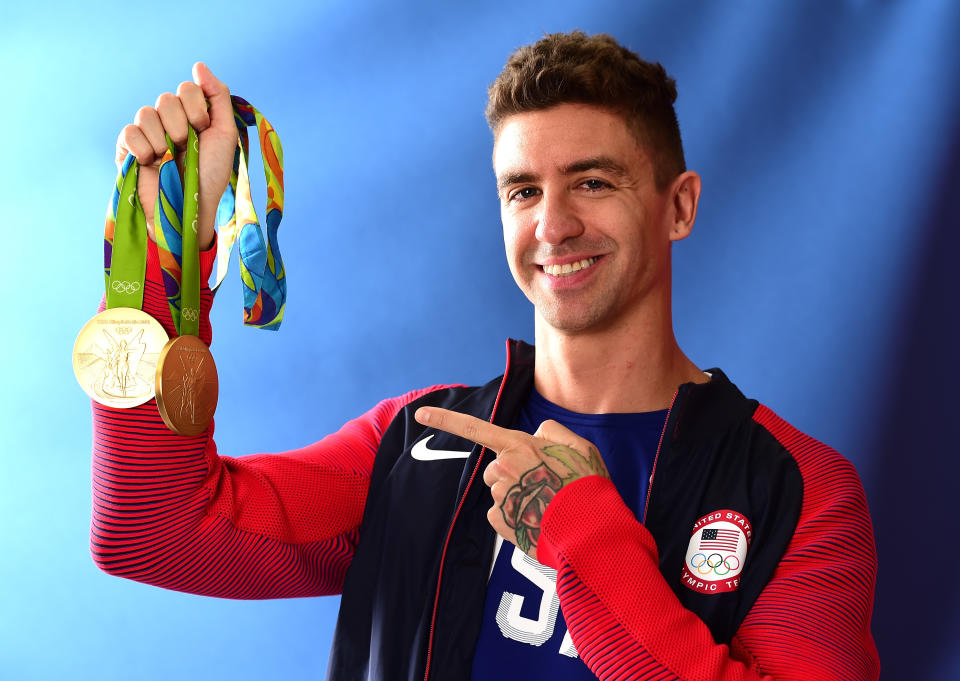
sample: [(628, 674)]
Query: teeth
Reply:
[(569, 268)]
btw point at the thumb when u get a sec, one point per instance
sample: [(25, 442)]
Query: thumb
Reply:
[(218, 94), (558, 433)]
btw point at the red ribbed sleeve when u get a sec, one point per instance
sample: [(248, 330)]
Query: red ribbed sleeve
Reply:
[(811, 622), (169, 511), (813, 619)]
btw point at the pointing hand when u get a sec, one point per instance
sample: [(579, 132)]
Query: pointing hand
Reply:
[(528, 472)]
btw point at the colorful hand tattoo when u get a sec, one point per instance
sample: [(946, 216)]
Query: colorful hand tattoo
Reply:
[(524, 504)]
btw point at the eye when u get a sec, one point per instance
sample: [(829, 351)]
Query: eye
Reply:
[(522, 193), (594, 185)]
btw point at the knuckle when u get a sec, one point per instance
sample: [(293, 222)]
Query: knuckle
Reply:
[(143, 155), (143, 113), (187, 87), (545, 427), (490, 475), (131, 139), (200, 121), (127, 132), (166, 100)]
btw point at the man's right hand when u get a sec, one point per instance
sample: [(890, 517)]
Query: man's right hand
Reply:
[(144, 138)]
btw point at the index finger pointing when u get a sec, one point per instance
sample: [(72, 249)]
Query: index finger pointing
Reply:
[(467, 427)]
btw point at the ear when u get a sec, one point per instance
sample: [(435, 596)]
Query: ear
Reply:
[(684, 197)]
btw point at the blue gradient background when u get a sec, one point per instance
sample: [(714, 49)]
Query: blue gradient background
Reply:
[(820, 274)]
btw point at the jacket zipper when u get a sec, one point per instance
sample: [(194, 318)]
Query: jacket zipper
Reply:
[(446, 543), (656, 457)]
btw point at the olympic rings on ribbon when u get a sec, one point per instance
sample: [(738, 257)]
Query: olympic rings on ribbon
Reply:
[(128, 287), (712, 563), (189, 313)]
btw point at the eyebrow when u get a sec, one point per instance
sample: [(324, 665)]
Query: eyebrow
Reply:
[(515, 178), (605, 163)]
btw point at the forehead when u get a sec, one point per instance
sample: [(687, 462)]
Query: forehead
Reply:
[(535, 141)]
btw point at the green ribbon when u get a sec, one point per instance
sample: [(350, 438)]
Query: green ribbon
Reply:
[(125, 242), (189, 318), (125, 236)]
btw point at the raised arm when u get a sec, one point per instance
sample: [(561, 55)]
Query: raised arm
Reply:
[(167, 509)]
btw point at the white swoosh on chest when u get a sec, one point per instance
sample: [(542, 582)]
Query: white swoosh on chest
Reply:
[(420, 452)]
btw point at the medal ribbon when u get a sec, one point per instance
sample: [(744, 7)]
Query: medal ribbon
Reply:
[(125, 238), (175, 229), (125, 242), (261, 266)]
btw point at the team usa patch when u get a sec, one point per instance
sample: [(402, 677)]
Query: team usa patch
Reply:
[(716, 552)]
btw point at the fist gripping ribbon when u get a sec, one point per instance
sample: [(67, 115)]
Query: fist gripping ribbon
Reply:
[(120, 358)]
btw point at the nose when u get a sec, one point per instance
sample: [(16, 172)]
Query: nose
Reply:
[(557, 220)]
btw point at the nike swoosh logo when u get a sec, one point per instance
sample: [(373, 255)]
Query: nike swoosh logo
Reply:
[(420, 452)]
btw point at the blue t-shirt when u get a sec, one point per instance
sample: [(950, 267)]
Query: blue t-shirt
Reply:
[(524, 634)]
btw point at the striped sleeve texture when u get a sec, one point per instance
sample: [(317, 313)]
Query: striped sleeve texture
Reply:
[(810, 623), (813, 619), (169, 511)]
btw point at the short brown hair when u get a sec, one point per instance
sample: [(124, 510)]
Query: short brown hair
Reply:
[(563, 68)]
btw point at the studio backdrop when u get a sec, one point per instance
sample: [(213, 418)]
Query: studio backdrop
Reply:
[(820, 274)]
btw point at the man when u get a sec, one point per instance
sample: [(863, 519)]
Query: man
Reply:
[(661, 525)]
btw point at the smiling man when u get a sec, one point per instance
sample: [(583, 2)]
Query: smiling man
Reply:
[(605, 509)]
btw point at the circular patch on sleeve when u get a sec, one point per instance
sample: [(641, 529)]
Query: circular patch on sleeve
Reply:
[(716, 552)]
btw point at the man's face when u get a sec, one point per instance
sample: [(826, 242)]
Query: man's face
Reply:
[(583, 224)]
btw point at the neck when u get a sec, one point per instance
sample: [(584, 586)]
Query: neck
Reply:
[(633, 366)]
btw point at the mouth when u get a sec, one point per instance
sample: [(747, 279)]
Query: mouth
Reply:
[(569, 268)]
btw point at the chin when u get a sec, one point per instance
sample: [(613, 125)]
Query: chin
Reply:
[(571, 321)]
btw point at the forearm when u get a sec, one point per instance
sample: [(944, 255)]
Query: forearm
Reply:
[(810, 622), (623, 617), (218, 526)]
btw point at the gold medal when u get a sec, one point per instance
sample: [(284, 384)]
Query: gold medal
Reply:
[(115, 356), (186, 385)]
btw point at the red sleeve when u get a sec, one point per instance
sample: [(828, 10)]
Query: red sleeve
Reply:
[(168, 511), (810, 623), (813, 619)]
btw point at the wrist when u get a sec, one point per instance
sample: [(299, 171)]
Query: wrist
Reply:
[(586, 514), (206, 221)]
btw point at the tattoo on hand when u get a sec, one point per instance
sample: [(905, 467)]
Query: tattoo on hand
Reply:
[(524, 504), (574, 460)]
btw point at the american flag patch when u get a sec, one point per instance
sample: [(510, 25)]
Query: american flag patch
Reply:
[(717, 552), (715, 539)]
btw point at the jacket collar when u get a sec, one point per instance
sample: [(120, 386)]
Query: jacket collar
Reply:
[(699, 409)]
